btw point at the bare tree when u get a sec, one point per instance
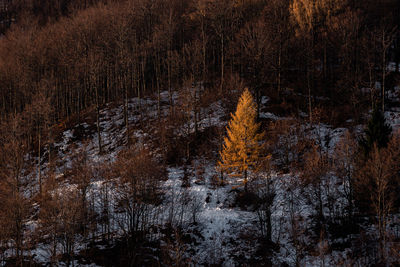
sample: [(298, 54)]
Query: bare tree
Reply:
[(344, 167), (376, 179), (15, 196), (265, 192), (136, 195), (39, 116)]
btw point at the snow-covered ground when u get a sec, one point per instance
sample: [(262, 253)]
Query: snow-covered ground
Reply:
[(219, 224)]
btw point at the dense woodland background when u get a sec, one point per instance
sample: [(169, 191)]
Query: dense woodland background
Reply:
[(329, 62)]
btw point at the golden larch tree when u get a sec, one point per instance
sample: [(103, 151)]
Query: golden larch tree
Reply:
[(243, 146)]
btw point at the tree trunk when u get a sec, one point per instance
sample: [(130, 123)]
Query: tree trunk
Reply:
[(126, 113), (383, 70), (157, 70), (39, 160), (222, 63), (204, 51), (98, 121), (245, 181), (269, 225), (279, 70)]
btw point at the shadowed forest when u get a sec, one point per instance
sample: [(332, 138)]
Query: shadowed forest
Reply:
[(199, 133)]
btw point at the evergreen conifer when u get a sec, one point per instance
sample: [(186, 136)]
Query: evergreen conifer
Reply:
[(377, 131), (243, 145)]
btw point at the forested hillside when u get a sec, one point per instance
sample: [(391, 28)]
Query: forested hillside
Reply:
[(199, 133)]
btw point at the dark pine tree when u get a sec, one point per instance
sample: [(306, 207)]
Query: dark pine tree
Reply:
[(377, 132)]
